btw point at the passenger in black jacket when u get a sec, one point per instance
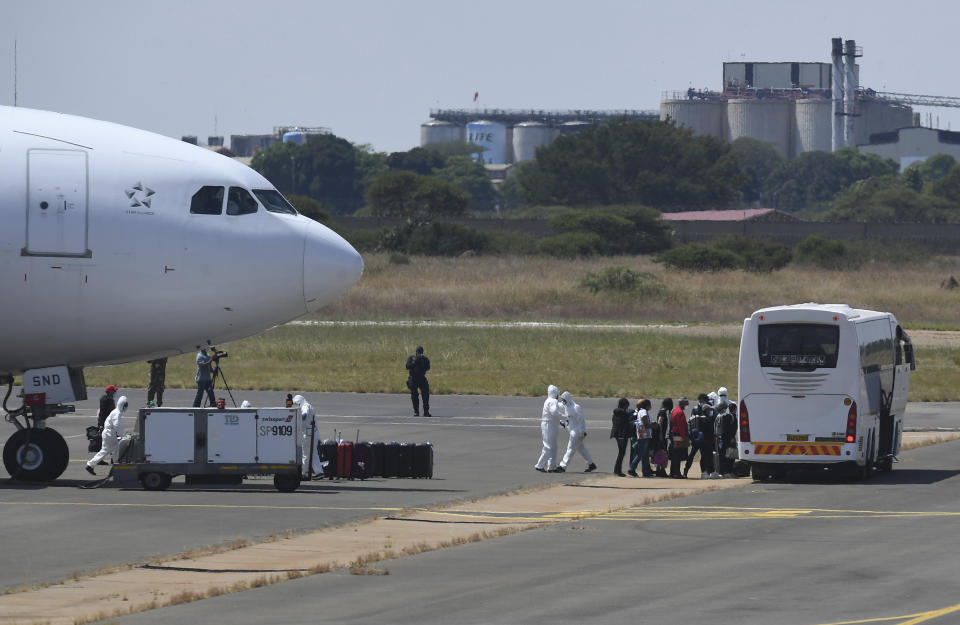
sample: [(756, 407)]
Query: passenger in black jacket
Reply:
[(622, 430)]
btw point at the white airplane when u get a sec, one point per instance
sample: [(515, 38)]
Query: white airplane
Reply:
[(120, 245)]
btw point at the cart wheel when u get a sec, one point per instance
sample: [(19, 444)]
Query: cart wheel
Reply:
[(155, 481), (286, 482)]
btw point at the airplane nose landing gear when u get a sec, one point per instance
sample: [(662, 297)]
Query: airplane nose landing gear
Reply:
[(36, 455)]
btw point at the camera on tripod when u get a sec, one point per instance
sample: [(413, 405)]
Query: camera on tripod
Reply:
[(217, 354)]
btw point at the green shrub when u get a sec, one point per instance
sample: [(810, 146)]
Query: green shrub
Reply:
[(762, 255), (571, 244), (363, 240), (825, 253), (505, 243), (446, 239), (310, 207), (700, 257), (622, 280)]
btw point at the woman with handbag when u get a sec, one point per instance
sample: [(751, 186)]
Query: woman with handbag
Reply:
[(622, 431), (661, 427)]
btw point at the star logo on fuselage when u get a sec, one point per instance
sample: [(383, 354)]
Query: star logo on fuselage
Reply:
[(140, 195)]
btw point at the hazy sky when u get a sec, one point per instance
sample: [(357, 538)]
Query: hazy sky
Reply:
[(372, 70)]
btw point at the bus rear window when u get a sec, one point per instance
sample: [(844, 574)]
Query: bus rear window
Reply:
[(802, 346)]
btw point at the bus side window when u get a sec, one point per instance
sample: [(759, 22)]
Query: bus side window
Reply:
[(240, 202), (207, 201)]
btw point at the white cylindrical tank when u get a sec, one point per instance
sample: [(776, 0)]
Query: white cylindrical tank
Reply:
[(493, 137), (295, 136), (813, 125), (763, 120), (704, 117), (439, 131), (528, 136)]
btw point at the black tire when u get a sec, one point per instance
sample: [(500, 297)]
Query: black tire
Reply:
[(155, 481), (36, 455), (760, 472), (885, 464), (286, 482)]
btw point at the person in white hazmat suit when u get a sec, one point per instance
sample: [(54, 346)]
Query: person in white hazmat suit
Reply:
[(112, 431), (577, 429), (549, 424), (308, 424)]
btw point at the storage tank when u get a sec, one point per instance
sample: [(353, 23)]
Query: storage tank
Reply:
[(572, 128), (813, 125), (528, 136), (438, 131), (493, 137), (763, 120), (295, 136), (704, 117)]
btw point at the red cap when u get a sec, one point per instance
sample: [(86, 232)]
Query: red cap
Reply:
[(112, 388)]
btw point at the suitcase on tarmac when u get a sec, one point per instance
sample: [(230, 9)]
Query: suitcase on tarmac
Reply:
[(422, 460), (391, 459), (327, 452), (405, 468), (363, 460), (345, 459), (376, 452)]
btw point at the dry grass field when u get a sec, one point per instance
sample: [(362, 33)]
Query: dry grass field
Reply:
[(543, 289), (599, 362)]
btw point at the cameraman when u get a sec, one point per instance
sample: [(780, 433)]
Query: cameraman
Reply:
[(204, 378), (418, 365)]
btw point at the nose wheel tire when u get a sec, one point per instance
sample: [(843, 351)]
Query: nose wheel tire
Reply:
[(36, 455), (286, 482)]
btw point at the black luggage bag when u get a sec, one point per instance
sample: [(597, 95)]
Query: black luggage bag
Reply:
[(363, 460), (376, 458), (422, 460), (327, 451), (405, 468), (391, 459)]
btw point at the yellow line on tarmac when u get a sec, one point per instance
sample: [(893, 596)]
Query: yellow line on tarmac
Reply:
[(913, 619), (188, 505)]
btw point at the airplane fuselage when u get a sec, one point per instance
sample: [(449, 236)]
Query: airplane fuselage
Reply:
[(119, 245)]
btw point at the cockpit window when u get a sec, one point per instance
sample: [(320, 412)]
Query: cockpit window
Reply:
[(240, 202), (207, 201), (274, 202)]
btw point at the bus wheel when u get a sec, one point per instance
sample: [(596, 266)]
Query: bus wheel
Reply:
[(760, 472), (885, 464)]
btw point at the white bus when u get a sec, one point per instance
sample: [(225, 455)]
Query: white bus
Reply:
[(822, 385)]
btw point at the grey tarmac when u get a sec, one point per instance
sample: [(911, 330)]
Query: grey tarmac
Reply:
[(485, 446)]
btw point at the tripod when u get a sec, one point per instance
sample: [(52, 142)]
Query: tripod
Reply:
[(218, 373)]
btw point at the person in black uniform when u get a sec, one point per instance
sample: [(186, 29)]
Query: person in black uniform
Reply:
[(158, 377), (418, 365), (622, 429)]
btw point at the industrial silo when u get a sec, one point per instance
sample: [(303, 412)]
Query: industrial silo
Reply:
[(764, 120), (493, 137), (528, 136), (704, 117), (813, 125), (438, 131), (295, 136), (573, 127)]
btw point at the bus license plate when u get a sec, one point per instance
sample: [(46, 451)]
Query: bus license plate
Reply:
[(798, 438)]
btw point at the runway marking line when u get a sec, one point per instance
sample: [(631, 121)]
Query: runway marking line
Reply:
[(912, 619)]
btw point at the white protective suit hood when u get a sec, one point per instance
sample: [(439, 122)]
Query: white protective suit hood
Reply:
[(712, 397), (552, 392), (122, 403), (298, 400), (245, 404), (567, 398)]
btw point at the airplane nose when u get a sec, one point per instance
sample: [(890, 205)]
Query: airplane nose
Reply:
[(330, 266)]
